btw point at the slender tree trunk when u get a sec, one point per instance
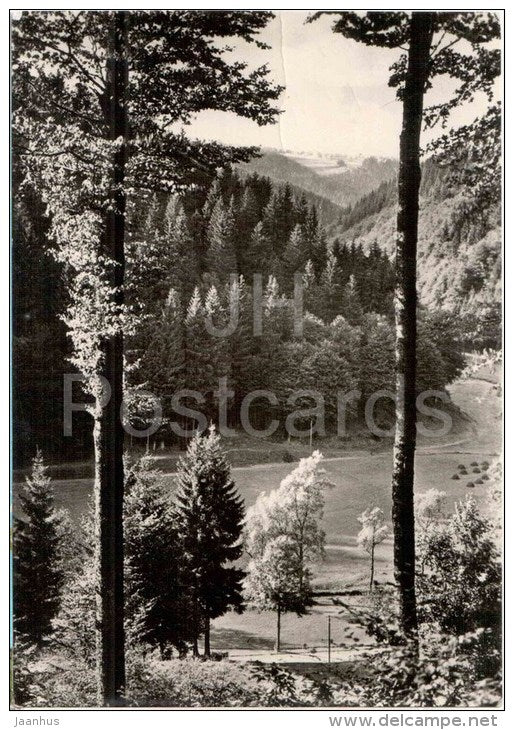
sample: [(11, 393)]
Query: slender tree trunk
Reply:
[(207, 638), (409, 177), (108, 430), (372, 568), (277, 644), (196, 627)]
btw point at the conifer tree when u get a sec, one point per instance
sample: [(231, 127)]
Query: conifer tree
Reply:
[(218, 316), (37, 572), (249, 213), (310, 289), (158, 602), (221, 255), (209, 520), (183, 256), (293, 257), (257, 253), (200, 366), (163, 363), (244, 348), (330, 289)]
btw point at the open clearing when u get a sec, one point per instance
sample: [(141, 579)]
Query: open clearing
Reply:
[(360, 480)]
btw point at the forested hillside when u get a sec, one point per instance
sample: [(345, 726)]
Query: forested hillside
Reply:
[(182, 251), (459, 248)]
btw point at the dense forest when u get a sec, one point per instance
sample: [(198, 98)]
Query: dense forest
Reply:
[(459, 249), (182, 251)]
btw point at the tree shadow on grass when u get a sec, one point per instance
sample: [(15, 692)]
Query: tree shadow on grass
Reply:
[(224, 639)]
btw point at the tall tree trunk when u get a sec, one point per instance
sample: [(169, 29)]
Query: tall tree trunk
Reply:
[(409, 177), (372, 568), (207, 638), (108, 431), (277, 644)]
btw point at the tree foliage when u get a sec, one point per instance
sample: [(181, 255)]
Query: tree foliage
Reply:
[(37, 565), (208, 517), (284, 540)]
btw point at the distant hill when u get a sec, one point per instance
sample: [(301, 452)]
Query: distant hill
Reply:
[(459, 249), (340, 180)]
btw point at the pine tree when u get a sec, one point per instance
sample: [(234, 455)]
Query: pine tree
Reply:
[(158, 603), (37, 573), (294, 257), (183, 256), (330, 289), (209, 519), (162, 364), (214, 194), (200, 364), (219, 317), (257, 253), (243, 347), (158, 607), (221, 255)]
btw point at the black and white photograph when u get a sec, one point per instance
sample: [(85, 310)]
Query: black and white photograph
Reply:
[(256, 352)]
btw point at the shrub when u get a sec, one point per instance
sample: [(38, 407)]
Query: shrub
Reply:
[(441, 675), (479, 481), (288, 457), (463, 582), (476, 470), (455, 476), (177, 683), (474, 463), (470, 485)]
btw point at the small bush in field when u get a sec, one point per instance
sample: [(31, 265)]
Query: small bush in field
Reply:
[(485, 477), (463, 472), (476, 470), (485, 465), (288, 457), (470, 485), (474, 463), (455, 476), (479, 481)]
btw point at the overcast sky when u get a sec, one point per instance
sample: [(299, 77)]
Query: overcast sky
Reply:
[(336, 98)]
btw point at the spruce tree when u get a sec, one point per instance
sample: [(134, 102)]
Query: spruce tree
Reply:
[(330, 289), (163, 362), (221, 256), (200, 368), (157, 605), (294, 257), (209, 519), (257, 253), (183, 256), (37, 572)]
